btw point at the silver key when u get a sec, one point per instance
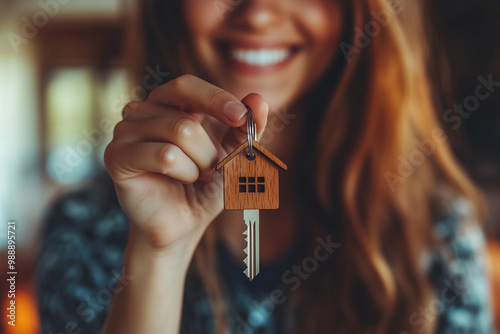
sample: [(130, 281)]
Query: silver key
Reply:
[(251, 218)]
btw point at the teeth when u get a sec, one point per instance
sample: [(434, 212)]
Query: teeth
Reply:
[(261, 57)]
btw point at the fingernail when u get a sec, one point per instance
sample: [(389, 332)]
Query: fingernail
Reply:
[(234, 111)]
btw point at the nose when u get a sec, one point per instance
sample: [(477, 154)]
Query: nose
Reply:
[(257, 14)]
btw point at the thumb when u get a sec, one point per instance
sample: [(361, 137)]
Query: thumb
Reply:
[(260, 110)]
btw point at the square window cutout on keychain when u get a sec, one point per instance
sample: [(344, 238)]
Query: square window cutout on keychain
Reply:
[(251, 182)]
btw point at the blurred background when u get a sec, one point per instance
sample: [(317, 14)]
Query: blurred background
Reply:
[(64, 81)]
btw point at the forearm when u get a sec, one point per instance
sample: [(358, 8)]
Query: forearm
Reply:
[(152, 300)]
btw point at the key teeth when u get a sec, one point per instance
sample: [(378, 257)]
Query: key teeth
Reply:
[(245, 261)]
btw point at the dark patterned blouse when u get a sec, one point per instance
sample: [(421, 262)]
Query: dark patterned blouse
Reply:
[(82, 254)]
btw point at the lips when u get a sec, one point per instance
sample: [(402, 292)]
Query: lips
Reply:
[(258, 57)]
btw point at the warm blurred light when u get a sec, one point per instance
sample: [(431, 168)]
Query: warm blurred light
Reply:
[(82, 107), (27, 321), (69, 105), (494, 252), (19, 144), (90, 8)]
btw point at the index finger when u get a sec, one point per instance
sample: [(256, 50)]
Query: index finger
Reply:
[(191, 93)]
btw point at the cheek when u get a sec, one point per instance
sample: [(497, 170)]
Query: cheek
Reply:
[(322, 23), (201, 18)]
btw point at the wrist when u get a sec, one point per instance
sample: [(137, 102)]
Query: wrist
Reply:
[(140, 254)]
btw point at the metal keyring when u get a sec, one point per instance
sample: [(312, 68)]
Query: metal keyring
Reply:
[(251, 133)]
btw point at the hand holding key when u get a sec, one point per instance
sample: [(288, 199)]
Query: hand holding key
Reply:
[(163, 153)]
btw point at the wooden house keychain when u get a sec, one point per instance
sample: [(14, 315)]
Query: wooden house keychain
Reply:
[(251, 182)]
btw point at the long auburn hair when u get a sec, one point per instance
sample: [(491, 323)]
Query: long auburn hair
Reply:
[(370, 112)]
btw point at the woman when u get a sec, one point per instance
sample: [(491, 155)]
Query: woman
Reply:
[(340, 91)]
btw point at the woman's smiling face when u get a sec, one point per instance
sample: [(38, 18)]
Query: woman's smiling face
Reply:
[(277, 48)]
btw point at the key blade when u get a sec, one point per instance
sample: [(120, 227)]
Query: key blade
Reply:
[(251, 218), (251, 215)]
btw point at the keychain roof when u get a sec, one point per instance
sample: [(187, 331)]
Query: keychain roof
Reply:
[(259, 148)]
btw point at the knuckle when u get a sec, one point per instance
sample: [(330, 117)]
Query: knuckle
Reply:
[(215, 96), (184, 127), (167, 157), (183, 81), (120, 129), (109, 154), (186, 78), (128, 108), (155, 92)]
